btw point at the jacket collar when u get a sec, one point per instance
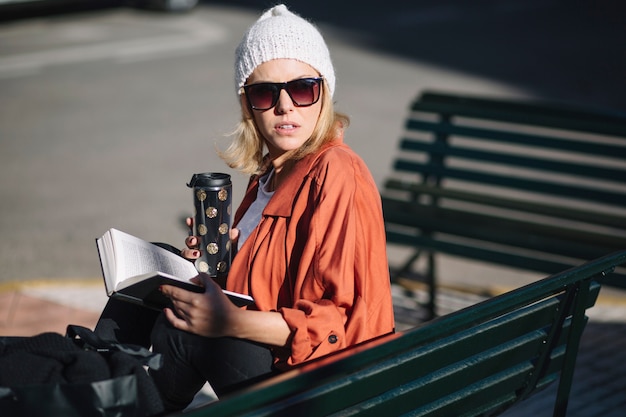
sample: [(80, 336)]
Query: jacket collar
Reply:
[(281, 203)]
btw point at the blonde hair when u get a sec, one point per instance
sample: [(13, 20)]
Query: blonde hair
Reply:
[(245, 152)]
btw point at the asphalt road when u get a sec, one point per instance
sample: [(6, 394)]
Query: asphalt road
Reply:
[(106, 114)]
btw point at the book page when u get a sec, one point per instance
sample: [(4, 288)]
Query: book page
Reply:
[(107, 262), (135, 256), (133, 269)]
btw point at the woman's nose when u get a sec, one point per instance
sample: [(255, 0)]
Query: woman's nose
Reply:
[(285, 104)]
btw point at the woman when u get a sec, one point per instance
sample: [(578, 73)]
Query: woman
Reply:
[(309, 232)]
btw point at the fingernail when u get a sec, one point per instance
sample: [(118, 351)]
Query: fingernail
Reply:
[(196, 253)]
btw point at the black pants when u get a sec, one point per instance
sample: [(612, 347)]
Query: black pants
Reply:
[(188, 360)]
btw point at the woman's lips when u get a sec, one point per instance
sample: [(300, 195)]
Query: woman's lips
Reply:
[(286, 127)]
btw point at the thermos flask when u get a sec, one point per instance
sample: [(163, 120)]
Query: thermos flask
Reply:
[(212, 197)]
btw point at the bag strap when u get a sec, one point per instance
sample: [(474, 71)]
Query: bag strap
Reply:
[(88, 340)]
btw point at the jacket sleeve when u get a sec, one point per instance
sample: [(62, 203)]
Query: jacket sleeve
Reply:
[(345, 294)]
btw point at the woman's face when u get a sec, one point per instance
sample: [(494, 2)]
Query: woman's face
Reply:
[(285, 127)]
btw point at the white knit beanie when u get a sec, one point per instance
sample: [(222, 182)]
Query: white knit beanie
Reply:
[(280, 33)]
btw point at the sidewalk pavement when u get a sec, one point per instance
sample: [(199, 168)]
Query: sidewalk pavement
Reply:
[(599, 388), (34, 307)]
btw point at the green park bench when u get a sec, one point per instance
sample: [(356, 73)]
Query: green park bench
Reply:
[(526, 185), (523, 185), (477, 361)]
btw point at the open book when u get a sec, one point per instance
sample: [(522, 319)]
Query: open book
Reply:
[(134, 269)]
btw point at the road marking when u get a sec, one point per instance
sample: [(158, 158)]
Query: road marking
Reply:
[(122, 51)]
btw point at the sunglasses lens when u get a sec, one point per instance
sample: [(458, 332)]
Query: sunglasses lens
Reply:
[(262, 96), (304, 92)]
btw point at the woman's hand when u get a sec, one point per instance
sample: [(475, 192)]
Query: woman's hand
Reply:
[(192, 242), (192, 252), (212, 314), (209, 314)]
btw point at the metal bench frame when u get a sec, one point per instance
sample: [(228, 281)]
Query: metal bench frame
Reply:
[(477, 361), (525, 185)]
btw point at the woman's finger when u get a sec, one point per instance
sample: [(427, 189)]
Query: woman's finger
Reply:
[(192, 242), (177, 295), (175, 320)]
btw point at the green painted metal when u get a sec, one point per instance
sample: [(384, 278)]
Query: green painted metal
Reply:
[(530, 185), (520, 160), (480, 359), (568, 213), (446, 129), (529, 112), (547, 238)]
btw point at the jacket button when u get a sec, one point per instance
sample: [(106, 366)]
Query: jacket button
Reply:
[(332, 339)]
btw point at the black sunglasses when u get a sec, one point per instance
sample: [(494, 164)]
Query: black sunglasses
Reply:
[(303, 92)]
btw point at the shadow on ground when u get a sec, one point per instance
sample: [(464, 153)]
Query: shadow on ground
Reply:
[(568, 51)]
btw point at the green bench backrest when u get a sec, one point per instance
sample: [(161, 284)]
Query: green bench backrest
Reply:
[(479, 359), (532, 177)]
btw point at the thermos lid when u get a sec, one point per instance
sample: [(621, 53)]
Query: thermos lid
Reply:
[(209, 179)]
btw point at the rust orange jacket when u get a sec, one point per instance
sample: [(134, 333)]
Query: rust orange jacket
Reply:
[(318, 256)]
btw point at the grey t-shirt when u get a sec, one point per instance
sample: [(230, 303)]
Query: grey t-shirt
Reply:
[(252, 217)]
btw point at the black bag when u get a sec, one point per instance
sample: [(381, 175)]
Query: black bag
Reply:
[(77, 375)]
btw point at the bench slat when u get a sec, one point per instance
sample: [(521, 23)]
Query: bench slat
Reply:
[(484, 389), (533, 113), (531, 185), (568, 213), (408, 400), (510, 259), (536, 141), (584, 170), (565, 241)]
